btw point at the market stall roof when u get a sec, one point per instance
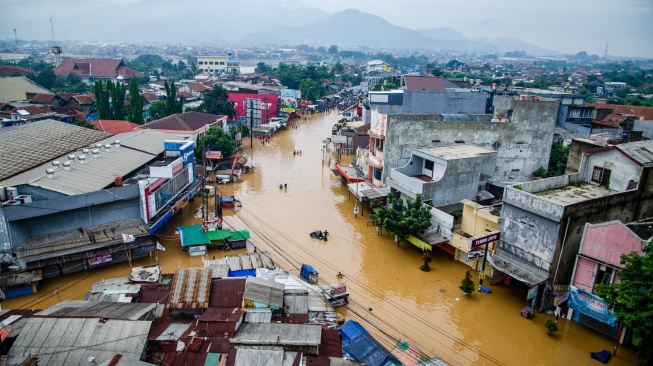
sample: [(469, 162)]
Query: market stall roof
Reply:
[(239, 235), (192, 235), (218, 234)]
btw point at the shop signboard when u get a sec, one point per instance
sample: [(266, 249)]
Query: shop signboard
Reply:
[(484, 239), (476, 254), (197, 250), (532, 292)]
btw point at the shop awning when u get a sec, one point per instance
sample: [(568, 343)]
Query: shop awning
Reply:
[(239, 235), (516, 269), (349, 173), (419, 243)]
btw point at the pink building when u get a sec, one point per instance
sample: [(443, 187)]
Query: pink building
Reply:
[(601, 247), (599, 261)]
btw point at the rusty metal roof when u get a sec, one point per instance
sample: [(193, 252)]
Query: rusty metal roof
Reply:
[(274, 334), (227, 293), (98, 309), (213, 314), (330, 343), (190, 289), (153, 293)]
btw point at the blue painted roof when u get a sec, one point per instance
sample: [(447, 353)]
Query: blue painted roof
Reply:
[(351, 330), (368, 350)]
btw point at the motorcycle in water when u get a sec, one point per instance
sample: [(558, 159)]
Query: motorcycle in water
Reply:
[(317, 234)]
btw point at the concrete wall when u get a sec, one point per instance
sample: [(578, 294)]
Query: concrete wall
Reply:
[(645, 126), (576, 150), (523, 145), (624, 172), (433, 102), (72, 212)]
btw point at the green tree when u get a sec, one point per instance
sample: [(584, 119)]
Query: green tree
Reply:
[(157, 110), (310, 89), (47, 79), (263, 69), (426, 258), (84, 124), (78, 88), (118, 91), (333, 49), (632, 298), (216, 139), (216, 101), (401, 218), (102, 100), (73, 79), (467, 285), (338, 68), (558, 157), (135, 111), (173, 105)]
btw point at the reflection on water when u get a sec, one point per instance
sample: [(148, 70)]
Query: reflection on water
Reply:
[(389, 294)]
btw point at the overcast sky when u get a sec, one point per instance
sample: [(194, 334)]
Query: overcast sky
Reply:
[(567, 26)]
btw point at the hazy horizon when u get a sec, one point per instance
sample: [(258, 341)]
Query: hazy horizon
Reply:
[(556, 25)]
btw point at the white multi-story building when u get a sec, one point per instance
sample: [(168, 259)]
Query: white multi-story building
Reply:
[(212, 64)]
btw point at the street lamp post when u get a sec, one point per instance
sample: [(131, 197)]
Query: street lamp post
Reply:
[(356, 204)]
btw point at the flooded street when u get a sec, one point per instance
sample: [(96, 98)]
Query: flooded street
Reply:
[(389, 295)]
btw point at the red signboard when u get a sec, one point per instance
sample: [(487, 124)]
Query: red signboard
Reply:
[(268, 103), (484, 239)]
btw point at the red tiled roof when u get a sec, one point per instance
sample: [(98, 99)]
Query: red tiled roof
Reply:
[(197, 87), (114, 127), (188, 121), (90, 96), (65, 95), (150, 97), (639, 111), (36, 109), (8, 70), (184, 94), (424, 83), (83, 99), (606, 123), (614, 117), (43, 98), (105, 68)]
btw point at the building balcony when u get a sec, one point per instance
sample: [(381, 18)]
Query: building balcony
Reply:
[(375, 161), (411, 185)]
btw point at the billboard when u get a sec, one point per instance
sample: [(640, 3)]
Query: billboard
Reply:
[(288, 101), (269, 103)]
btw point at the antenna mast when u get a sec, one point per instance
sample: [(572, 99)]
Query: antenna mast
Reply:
[(16, 38), (56, 50), (605, 54)]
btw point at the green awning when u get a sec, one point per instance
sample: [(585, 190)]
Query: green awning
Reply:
[(419, 243), (218, 234), (192, 235), (239, 235)]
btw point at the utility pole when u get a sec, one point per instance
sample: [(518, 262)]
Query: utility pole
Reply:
[(16, 38), (205, 200)]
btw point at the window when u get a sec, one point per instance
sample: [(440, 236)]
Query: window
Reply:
[(428, 164), (221, 62), (210, 62), (201, 63), (601, 176), (378, 174), (603, 275)]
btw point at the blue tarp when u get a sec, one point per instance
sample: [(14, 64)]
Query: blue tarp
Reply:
[(367, 350), (242, 273), (351, 330), (591, 305)]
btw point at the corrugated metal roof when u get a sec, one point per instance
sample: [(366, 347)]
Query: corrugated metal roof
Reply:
[(227, 293), (642, 151), (95, 236), (154, 293), (15, 88), (190, 289), (330, 343), (264, 291), (249, 261), (218, 270), (120, 360), (100, 309), (65, 341), (96, 174), (275, 334), (258, 315), (172, 332), (148, 141), (27, 146), (259, 357), (213, 314), (295, 304)]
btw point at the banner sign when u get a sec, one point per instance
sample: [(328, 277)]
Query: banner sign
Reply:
[(100, 260), (288, 100), (591, 305), (213, 155), (477, 254), (484, 239), (532, 292)]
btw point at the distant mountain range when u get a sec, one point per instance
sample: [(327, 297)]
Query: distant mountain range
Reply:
[(241, 23)]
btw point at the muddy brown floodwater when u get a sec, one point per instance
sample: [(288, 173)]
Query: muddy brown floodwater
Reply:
[(389, 294)]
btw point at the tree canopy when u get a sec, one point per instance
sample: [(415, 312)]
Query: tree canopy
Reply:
[(135, 111), (401, 218), (216, 139), (216, 101), (632, 298)]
